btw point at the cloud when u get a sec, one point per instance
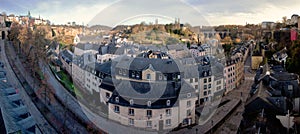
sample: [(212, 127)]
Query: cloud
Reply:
[(125, 9), (195, 12), (239, 12)]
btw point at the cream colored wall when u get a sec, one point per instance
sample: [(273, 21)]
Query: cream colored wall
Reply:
[(148, 71), (183, 109), (140, 117)]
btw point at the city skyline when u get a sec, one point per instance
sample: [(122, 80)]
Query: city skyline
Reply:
[(195, 12)]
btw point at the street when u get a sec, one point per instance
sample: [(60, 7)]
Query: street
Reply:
[(231, 124)]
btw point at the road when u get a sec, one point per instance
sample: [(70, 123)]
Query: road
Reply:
[(41, 122), (231, 124)]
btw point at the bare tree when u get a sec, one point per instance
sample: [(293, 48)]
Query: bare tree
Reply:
[(14, 32), (25, 38)]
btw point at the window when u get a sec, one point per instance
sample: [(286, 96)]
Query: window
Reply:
[(205, 87), (131, 121), (205, 80), (209, 79), (107, 95), (196, 79), (131, 111), (188, 112), (188, 103), (196, 86), (160, 77), (148, 77), (165, 77), (168, 112), (117, 99), (168, 122), (209, 92), (131, 102), (191, 80), (149, 123), (209, 85), (149, 103), (133, 74), (117, 109), (149, 113), (120, 71), (124, 72), (204, 93), (189, 95), (218, 82), (168, 102)]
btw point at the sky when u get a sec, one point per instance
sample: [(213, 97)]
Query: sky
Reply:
[(114, 12)]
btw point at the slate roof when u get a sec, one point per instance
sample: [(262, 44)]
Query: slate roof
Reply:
[(67, 55), (139, 64), (84, 59), (90, 38), (271, 92), (157, 93), (88, 46)]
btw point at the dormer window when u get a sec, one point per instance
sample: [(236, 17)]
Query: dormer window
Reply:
[(131, 102), (189, 95), (149, 103), (168, 102), (160, 77), (209, 73), (117, 99)]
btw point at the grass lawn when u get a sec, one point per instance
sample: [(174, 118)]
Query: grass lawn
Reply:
[(68, 83), (66, 80)]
